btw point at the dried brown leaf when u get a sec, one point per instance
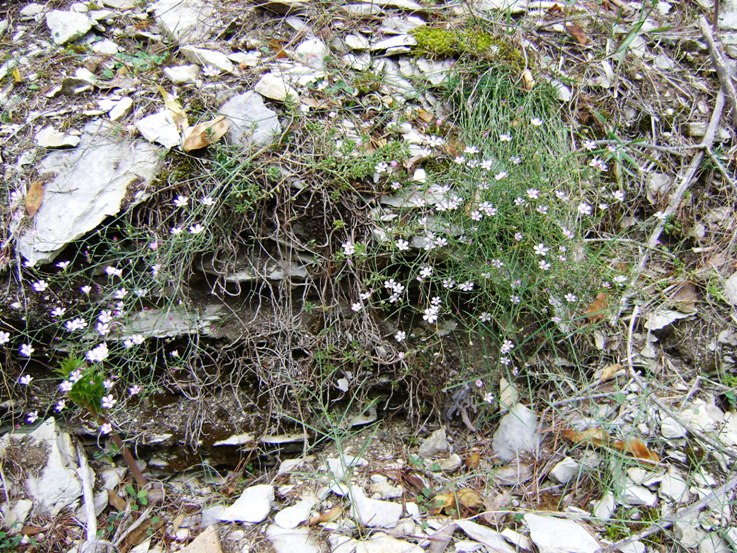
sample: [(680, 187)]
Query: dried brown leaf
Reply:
[(595, 311), (528, 82), (599, 438), (34, 197), (328, 516), (578, 33), (205, 133), (610, 371), (472, 460), (638, 449), (178, 115)]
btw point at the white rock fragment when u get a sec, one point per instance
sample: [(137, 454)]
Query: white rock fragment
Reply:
[(275, 88), (633, 547), (159, 128), (565, 470), (362, 9), (373, 512), (57, 486), (517, 434), (254, 505), (517, 539), (557, 535), (400, 25), (207, 542), (295, 540), (380, 486), (312, 53), (30, 11), (49, 137), (399, 41), (236, 439), (513, 7), (208, 58), (357, 42), (671, 429), (211, 515), (120, 109), (293, 516), (15, 515), (251, 122), (186, 21), (182, 74), (90, 184), (634, 494), (483, 534), (435, 443), (66, 26), (342, 466), (563, 93), (383, 543), (604, 508), (105, 47), (674, 486), (730, 289), (702, 416)]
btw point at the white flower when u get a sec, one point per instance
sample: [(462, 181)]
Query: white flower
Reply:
[(98, 354), (431, 314), (207, 201), (196, 229), (66, 386), (75, 324), (425, 272), (32, 417), (108, 401), (4, 337), (518, 236), (544, 265), (106, 428), (618, 195), (40, 285), (400, 336), (356, 307), (120, 294), (135, 390), (86, 290), (381, 167), (26, 350), (155, 269), (58, 311), (570, 298), (596, 163), (105, 316), (507, 346), (489, 397), (543, 209), (660, 215), (589, 145), (487, 164), (113, 271), (584, 208), (137, 339), (466, 286), (541, 249), (515, 160), (533, 193), (60, 405), (63, 264), (470, 150), (567, 233), (500, 176), (181, 201), (210, 71), (505, 138), (434, 141), (25, 380), (402, 245), (108, 384), (75, 376), (620, 279), (536, 121), (485, 317), (449, 283), (176, 230), (174, 353), (497, 264), (349, 248), (515, 299)]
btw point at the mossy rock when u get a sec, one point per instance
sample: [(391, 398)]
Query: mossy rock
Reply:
[(475, 42)]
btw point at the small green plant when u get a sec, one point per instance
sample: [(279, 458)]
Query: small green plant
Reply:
[(8, 542), (138, 498)]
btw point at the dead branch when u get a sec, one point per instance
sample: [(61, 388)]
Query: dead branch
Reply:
[(723, 68)]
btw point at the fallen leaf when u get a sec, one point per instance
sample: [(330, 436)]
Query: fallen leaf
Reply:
[(17, 77), (425, 115), (578, 33), (472, 460), (528, 82), (684, 296), (34, 197), (599, 438), (118, 503), (459, 502), (143, 531), (178, 115), (328, 516), (638, 449), (205, 133), (610, 371), (594, 436), (595, 311), (663, 317), (439, 540)]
